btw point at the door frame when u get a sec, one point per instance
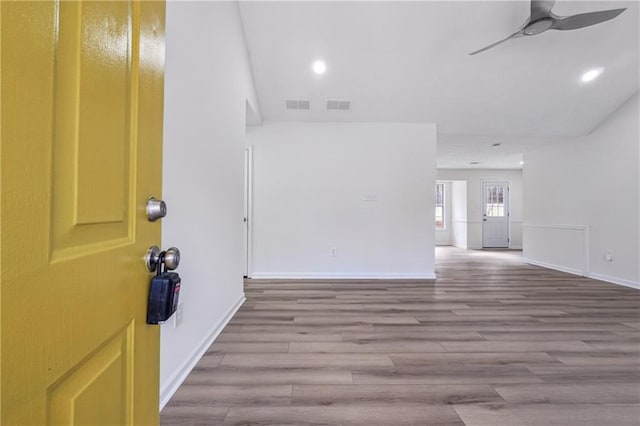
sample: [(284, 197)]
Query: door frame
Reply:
[(248, 211), (507, 207)]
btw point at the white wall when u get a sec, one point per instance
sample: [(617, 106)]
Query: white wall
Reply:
[(474, 178), (582, 201), (459, 213), (309, 183), (207, 83)]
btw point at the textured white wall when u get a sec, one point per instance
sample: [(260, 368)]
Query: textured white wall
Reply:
[(474, 179), (309, 183), (587, 185), (208, 81)]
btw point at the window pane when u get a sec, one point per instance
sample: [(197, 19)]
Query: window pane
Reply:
[(439, 217), (494, 203), (440, 206)]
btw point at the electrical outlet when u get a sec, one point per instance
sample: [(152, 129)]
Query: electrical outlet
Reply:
[(177, 316), (608, 256), (332, 252)]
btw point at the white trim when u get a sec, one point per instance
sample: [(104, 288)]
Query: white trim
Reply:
[(593, 275), (615, 280), (516, 247), (553, 226), (343, 276), (250, 224), (173, 383), (248, 210), (552, 266), (587, 249)]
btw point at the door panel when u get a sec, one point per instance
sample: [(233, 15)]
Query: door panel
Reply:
[(495, 214), (98, 389), (92, 147), (82, 97)]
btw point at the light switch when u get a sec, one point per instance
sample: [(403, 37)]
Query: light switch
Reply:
[(370, 197)]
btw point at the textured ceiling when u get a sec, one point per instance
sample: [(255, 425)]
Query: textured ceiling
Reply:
[(409, 62)]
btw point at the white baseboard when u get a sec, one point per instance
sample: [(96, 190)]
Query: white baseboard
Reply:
[(341, 276), (514, 247), (173, 383), (552, 266), (593, 275), (614, 280)]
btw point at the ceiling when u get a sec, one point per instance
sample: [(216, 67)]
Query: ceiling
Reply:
[(409, 62)]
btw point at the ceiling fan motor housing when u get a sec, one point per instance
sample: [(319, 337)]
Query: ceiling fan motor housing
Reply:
[(538, 26)]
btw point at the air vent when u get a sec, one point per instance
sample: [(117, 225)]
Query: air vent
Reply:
[(298, 104), (335, 104)]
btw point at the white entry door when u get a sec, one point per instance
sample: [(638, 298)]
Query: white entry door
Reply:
[(495, 214)]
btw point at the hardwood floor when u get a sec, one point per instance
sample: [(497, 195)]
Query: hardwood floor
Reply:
[(492, 342)]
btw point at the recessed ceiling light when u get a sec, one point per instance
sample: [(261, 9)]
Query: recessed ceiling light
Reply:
[(496, 145), (319, 67), (591, 74)]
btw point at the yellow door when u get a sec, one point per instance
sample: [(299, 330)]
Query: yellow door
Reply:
[(81, 139)]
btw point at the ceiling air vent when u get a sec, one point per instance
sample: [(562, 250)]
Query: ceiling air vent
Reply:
[(298, 104), (335, 104)]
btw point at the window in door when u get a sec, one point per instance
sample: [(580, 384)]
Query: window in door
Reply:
[(494, 201), (440, 206)]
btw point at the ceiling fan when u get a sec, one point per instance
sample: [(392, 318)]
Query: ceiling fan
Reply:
[(542, 19)]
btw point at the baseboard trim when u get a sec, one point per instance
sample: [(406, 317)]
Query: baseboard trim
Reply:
[(614, 280), (592, 275), (552, 266), (340, 276), (174, 382), (516, 247)]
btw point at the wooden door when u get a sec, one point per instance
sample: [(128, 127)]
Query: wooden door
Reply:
[(495, 214), (82, 105)]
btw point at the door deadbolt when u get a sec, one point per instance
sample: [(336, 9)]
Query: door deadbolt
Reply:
[(154, 257), (156, 209)]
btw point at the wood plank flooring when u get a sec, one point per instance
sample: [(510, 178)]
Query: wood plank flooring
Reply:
[(492, 342)]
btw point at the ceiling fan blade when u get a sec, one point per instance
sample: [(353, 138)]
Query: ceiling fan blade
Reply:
[(514, 35), (585, 19), (541, 9)]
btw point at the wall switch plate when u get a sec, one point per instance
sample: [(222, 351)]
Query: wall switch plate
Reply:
[(177, 317), (370, 197), (332, 252), (608, 256)]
